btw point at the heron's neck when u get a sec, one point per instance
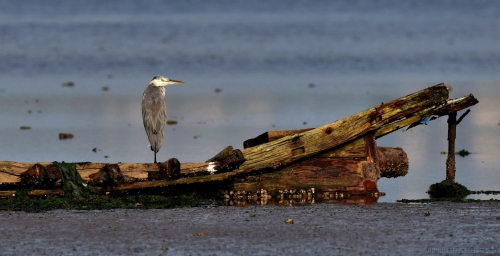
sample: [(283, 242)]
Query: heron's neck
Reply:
[(162, 90)]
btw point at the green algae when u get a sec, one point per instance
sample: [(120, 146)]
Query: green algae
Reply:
[(23, 202), (448, 189), (463, 153)]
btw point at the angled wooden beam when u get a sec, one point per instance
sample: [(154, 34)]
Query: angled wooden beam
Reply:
[(295, 147), (452, 105)]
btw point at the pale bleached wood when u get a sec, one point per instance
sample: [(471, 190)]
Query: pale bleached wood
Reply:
[(452, 105)]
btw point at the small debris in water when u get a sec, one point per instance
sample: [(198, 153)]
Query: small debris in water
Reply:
[(443, 152), (29, 111), (463, 153), (110, 76), (252, 215), (217, 90), (311, 85), (289, 221), (39, 111), (427, 214), (200, 234), (105, 88), (25, 127), (164, 248), (94, 149), (195, 137), (36, 101), (65, 136), (171, 122), (105, 156), (68, 84), (304, 123)]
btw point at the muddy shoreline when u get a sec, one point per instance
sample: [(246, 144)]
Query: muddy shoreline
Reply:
[(382, 228)]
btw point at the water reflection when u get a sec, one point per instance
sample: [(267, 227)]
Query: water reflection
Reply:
[(294, 197)]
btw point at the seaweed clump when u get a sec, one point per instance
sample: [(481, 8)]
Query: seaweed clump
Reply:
[(23, 202), (448, 189), (463, 153)]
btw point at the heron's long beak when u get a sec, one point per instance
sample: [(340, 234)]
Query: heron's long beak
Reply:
[(174, 82)]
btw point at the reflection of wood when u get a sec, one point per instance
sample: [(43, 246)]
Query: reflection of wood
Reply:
[(339, 156)]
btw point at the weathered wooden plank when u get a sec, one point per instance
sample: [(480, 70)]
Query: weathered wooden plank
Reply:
[(452, 105), (321, 174), (294, 147), (271, 136), (354, 148), (10, 171)]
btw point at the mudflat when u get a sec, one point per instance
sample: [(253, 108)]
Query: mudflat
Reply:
[(323, 229)]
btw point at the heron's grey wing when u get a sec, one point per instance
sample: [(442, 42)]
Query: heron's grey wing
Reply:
[(154, 115)]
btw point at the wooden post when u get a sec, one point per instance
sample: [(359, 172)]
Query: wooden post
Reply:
[(452, 134)]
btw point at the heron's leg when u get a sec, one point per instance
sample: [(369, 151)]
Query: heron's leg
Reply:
[(155, 156)]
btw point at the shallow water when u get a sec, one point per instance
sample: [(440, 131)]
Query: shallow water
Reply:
[(263, 57)]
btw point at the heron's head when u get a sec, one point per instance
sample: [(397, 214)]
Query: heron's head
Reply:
[(163, 81)]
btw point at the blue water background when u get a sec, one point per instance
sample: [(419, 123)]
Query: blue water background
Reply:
[(278, 64)]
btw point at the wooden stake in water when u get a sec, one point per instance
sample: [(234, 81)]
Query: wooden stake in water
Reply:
[(452, 134)]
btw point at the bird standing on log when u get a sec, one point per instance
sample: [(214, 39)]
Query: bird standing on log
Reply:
[(154, 110)]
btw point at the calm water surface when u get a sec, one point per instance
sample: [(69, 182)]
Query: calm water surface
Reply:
[(262, 56)]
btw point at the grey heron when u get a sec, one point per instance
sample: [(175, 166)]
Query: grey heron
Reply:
[(154, 110)]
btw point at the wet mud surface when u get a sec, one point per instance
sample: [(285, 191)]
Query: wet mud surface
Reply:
[(382, 228)]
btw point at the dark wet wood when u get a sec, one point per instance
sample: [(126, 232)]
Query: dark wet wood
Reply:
[(169, 170), (393, 162), (41, 176), (322, 174), (33, 176), (227, 160), (450, 160), (109, 175)]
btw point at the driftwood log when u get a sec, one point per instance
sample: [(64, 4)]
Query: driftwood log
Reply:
[(339, 156)]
